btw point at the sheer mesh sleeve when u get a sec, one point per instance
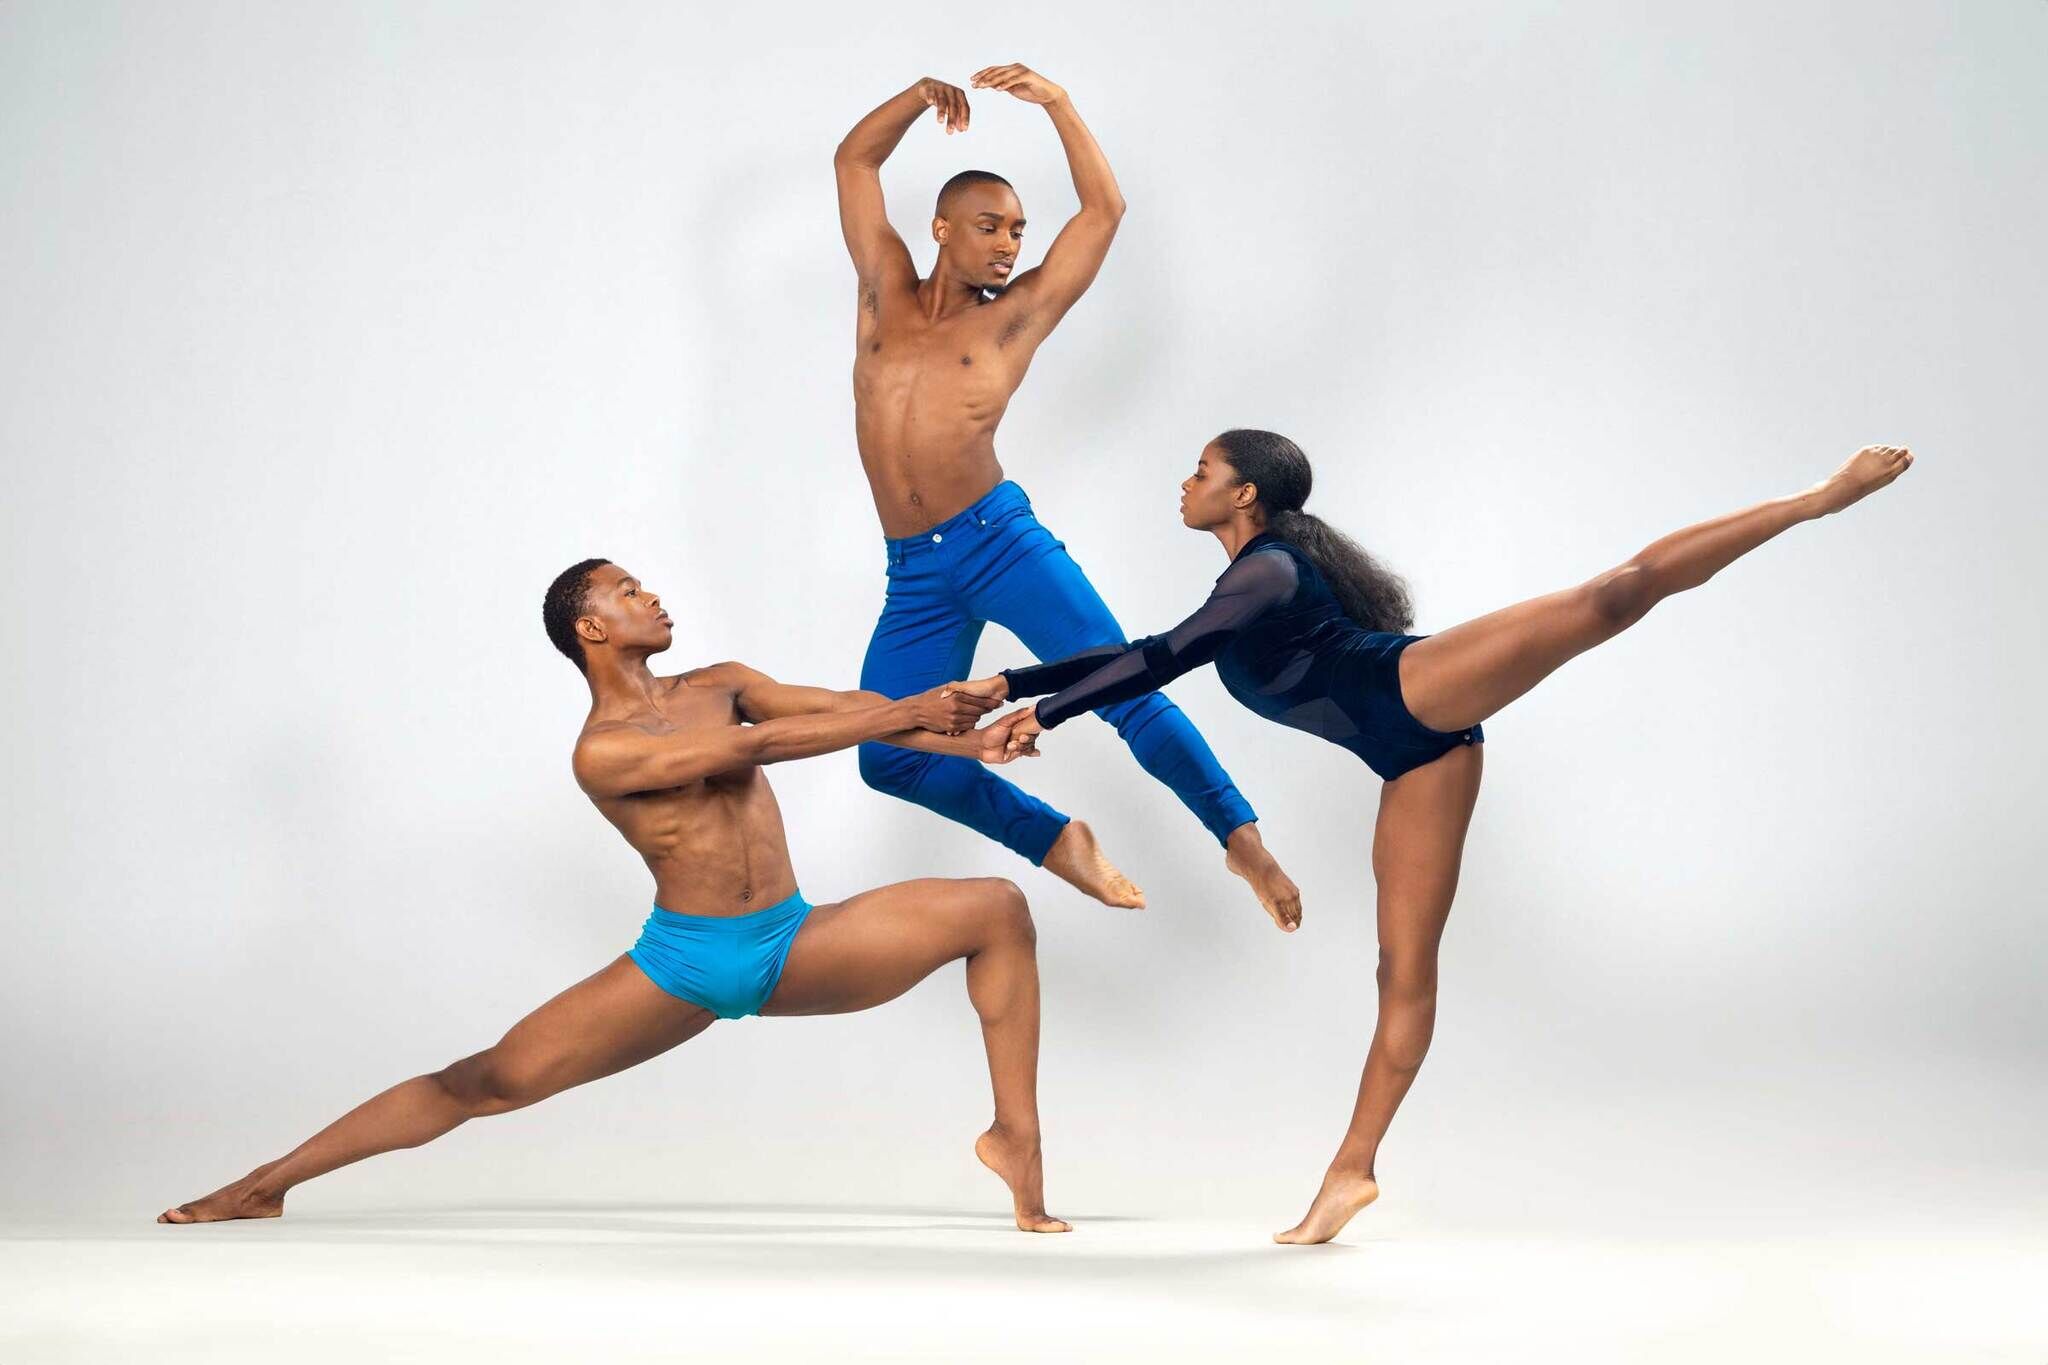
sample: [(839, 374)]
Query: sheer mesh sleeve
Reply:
[(1249, 588), (1039, 679)]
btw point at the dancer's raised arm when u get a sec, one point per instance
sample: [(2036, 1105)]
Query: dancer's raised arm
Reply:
[(1075, 256), (857, 165)]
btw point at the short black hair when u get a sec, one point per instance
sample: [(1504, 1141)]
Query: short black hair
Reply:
[(567, 597), (963, 181)]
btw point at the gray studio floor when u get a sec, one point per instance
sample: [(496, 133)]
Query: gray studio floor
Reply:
[(811, 1282)]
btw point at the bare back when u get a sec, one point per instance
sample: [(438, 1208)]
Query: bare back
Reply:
[(716, 845)]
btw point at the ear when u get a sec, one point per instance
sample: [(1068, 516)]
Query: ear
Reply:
[(1244, 495), (590, 629), (939, 229)]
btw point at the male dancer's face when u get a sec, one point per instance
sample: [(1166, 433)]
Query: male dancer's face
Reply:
[(621, 612), (980, 231), (1210, 495)]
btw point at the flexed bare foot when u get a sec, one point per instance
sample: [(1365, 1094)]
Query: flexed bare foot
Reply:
[(1245, 854), (1076, 859), (246, 1198), (1016, 1159), (1341, 1196), (1862, 474)]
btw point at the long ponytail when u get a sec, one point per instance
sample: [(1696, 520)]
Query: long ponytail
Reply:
[(1371, 594)]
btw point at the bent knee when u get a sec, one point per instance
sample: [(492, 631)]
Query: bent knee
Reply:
[(1008, 912), (890, 770)]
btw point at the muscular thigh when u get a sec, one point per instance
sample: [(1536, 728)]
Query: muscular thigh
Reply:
[(873, 947), (602, 1024), (1417, 847), (1462, 676)]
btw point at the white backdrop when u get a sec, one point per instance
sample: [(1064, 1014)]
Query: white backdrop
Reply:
[(330, 334)]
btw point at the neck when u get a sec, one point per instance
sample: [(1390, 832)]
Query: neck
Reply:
[(1241, 527), (619, 677), (946, 293)]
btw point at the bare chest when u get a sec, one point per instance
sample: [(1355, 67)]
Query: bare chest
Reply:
[(961, 361)]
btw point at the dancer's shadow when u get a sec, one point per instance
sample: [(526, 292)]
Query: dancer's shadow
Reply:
[(753, 1241)]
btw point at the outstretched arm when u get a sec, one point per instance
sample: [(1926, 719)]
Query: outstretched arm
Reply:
[(863, 217), (1077, 253), (624, 759), (1250, 587), (944, 720)]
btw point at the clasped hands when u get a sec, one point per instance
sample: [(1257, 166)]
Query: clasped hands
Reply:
[(955, 708)]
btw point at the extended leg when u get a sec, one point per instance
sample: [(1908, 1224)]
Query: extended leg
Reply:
[(606, 1023), (873, 947), (1462, 676), (1418, 844)]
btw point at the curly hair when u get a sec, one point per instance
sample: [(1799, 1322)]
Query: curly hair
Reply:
[(566, 599)]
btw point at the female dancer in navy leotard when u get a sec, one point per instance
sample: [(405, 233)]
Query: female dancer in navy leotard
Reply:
[(1306, 629)]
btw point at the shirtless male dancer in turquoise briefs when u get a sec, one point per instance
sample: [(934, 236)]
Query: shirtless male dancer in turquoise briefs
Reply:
[(935, 363), (676, 763)]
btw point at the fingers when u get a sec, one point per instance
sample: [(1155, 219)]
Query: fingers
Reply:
[(1000, 77), (949, 104)]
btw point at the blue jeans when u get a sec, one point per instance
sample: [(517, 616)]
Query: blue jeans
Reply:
[(994, 562)]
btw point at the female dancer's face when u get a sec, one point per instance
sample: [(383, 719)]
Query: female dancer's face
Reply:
[(1210, 496)]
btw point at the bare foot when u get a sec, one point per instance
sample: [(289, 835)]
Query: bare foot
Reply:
[(1245, 854), (1076, 859), (1340, 1197), (243, 1199), (1022, 1169), (1868, 470)]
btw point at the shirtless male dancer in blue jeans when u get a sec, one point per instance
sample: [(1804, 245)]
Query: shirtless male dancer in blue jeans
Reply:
[(935, 363), (675, 763)]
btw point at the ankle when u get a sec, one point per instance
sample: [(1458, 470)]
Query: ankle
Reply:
[(1016, 1133), (1246, 842), (262, 1185), (1352, 1168)]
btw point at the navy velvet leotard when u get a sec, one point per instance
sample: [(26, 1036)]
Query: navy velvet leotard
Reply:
[(1283, 646)]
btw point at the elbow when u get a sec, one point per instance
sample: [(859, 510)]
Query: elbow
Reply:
[(1114, 209), (845, 157)]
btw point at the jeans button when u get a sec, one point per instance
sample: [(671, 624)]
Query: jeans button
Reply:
[(936, 537)]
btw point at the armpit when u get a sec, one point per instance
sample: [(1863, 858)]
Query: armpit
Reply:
[(1013, 327)]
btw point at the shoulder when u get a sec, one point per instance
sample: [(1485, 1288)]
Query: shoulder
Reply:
[(1266, 568), (602, 742), (731, 675)]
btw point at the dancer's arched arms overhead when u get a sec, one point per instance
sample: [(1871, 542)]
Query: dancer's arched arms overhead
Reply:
[(1076, 254), (857, 165), (1253, 585)]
